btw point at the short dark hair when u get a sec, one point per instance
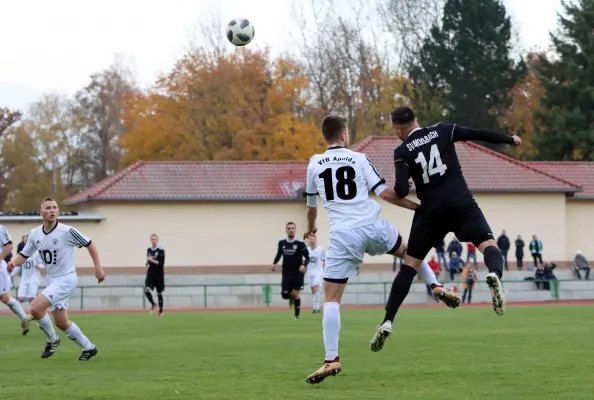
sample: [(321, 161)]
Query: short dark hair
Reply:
[(402, 115), (290, 223), (332, 127)]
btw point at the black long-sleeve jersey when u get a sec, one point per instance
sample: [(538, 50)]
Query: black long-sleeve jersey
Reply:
[(428, 155), (159, 255), (294, 254)]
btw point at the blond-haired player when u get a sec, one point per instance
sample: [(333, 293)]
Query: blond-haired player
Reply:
[(55, 242)]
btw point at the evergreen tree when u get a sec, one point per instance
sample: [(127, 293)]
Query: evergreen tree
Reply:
[(468, 60), (565, 125)]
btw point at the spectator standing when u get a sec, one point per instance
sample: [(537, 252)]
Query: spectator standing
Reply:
[(471, 254), (469, 282), (440, 250), (581, 264), (454, 247), (503, 244), (536, 250), (519, 252)]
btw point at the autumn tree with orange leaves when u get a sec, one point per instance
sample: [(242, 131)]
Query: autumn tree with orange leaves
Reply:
[(235, 106), (518, 119)]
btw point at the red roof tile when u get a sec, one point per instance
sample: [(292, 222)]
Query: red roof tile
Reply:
[(485, 170), (580, 172)]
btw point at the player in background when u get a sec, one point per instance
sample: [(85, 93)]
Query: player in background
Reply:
[(30, 277), (295, 260), (343, 179), (155, 273), (315, 270), (55, 242), (428, 155), (6, 282)]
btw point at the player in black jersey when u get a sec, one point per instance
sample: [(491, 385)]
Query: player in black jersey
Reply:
[(428, 155), (295, 259), (155, 273)]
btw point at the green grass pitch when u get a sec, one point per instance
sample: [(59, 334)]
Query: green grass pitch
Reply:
[(468, 353)]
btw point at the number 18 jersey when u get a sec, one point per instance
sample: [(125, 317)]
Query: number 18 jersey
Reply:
[(343, 179)]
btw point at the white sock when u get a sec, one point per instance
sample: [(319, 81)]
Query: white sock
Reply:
[(76, 334), (331, 329), (316, 300), (16, 308), (45, 324), (427, 274)]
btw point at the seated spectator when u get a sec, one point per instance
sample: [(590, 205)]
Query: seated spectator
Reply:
[(581, 264), (456, 264), (469, 282), (548, 275), (539, 277)]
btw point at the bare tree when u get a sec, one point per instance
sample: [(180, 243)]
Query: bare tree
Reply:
[(99, 109), (409, 22)]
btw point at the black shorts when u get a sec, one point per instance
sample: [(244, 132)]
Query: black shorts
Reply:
[(292, 282), (155, 282), (429, 228)]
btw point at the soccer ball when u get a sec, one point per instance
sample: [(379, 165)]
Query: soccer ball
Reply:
[(240, 31)]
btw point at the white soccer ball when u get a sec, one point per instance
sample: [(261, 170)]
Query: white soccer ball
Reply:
[(240, 31)]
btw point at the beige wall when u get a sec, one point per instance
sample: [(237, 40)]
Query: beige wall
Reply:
[(246, 233), (579, 228)]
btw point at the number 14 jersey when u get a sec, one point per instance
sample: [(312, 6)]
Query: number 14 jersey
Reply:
[(55, 247), (343, 179), (429, 155)]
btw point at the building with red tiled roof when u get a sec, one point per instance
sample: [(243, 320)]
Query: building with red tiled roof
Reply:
[(223, 214)]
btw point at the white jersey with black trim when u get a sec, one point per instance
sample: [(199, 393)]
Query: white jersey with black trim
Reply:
[(343, 179), (317, 256), (30, 273), (56, 248)]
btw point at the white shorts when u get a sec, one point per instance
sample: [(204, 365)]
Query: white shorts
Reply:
[(315, 279), (28, 289), (346, 247), (59, 289), (5, 280)]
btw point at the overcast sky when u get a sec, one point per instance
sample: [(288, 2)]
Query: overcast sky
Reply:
[(53, 46)]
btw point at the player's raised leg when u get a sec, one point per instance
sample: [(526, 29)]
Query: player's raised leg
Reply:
[(333, 291), (74, 333), (428, 276)]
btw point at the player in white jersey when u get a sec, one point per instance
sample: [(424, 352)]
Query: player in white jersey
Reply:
[(30, 277), (315, 270), (343, 179), (55, 242), (6, 282)]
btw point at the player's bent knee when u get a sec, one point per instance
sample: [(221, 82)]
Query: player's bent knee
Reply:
[(485, 244), (286, 295), (5, 298)]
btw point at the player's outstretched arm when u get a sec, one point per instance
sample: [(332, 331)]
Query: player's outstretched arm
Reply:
[(94, 253), (460, 133), (391, 197)]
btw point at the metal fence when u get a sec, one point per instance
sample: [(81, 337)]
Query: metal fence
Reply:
[(267, 289)]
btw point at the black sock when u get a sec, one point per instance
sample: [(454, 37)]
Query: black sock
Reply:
[(149, 296), (297, 306), (160, 298), (494, 260), (399, 291)]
